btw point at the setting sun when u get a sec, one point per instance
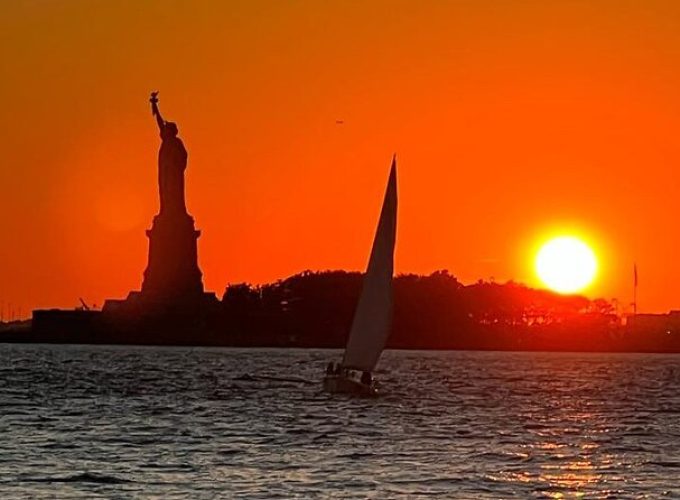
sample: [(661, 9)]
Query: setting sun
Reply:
[(566, 264)]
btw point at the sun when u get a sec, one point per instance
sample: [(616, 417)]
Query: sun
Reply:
[(566, 264)]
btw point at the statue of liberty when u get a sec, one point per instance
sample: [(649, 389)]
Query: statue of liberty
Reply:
[(172, 162), (172, 279)]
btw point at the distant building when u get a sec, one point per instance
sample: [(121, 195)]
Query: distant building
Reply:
[(654, 323)]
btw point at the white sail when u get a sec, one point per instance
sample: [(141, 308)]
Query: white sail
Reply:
[(373, 316)]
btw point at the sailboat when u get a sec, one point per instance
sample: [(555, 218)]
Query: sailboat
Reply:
[(373, 316)]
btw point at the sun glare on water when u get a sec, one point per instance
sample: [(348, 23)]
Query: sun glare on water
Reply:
[(566, 264)]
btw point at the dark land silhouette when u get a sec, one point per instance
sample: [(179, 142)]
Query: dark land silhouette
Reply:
[(315, 309)]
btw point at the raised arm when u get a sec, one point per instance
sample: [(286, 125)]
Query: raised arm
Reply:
[(155, 112)]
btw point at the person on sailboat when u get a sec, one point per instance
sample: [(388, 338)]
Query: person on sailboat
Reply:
[(366, 378)]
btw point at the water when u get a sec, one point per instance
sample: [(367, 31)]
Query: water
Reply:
[(128, 422)]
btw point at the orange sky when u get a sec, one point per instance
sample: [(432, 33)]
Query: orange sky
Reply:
[(510, 120)]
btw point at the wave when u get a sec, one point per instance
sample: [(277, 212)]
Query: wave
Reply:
[(254, 378), (82, 477)]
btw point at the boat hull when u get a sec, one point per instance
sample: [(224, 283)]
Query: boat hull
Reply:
[(339, 384)]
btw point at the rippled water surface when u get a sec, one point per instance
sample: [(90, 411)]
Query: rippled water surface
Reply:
[(129, 422)]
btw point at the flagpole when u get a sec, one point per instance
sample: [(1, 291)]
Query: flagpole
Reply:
[(635, 287)]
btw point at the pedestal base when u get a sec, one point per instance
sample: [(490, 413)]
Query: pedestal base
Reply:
[(172, 274), (171, 306)]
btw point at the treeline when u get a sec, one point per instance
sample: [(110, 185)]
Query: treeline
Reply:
[(315, 309)]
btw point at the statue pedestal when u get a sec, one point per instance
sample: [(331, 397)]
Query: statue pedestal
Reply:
[(172, 273), (172, 290)]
